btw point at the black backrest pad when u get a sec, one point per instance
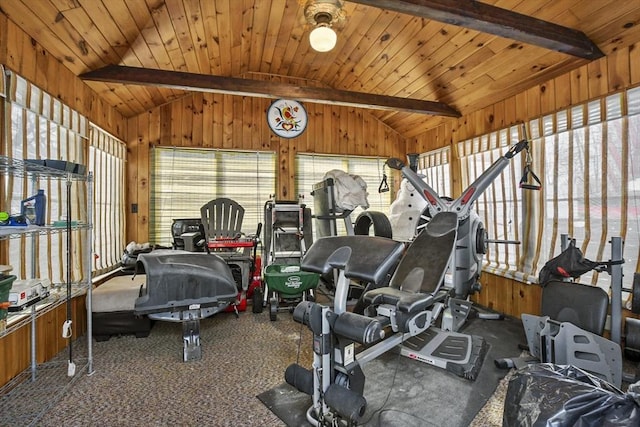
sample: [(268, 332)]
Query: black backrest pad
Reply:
[(366, 258), (583, 305), (423, 266)]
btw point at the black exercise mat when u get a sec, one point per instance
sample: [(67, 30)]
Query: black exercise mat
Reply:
[(404, 392), (287, 403)]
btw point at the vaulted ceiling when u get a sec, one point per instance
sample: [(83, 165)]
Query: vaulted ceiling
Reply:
[(460, 55)]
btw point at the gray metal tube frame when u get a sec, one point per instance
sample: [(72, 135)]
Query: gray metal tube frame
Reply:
[(616, 289)]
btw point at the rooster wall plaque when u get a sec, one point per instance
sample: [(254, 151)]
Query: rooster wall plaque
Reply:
[(287, 118)]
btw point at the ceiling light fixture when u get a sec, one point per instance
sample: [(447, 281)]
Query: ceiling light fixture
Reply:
[(323, 14)]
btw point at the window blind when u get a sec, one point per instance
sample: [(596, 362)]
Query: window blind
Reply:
[(435, 168), (183, 180), (498, 206), (42, 127), (107, 160)]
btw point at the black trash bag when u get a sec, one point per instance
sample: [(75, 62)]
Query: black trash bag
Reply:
[(545, 394), (570, 263)]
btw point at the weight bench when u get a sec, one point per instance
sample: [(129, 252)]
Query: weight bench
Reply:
[(406, 308), (185, 287)]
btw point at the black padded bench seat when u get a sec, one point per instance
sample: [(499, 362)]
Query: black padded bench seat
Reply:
[(416, 283), (361, 257), (179, 280), (112, 308)]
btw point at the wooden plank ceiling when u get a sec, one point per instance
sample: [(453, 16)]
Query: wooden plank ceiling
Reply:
[(384, 48)]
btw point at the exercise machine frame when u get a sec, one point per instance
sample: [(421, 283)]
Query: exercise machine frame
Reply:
[(564, 343), (343, 341), (472, 236)]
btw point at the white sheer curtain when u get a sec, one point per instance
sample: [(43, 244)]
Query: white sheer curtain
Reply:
[(107, 160), (588, 158), (436, 169), (40, 126)]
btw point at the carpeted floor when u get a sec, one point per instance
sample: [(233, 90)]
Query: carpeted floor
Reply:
[(143, 381)]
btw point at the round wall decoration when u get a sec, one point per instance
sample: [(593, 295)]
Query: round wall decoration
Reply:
[(287, 118)]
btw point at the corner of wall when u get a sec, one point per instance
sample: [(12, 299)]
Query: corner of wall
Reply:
[(3, 38)]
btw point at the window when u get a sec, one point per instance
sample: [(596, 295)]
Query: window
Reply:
[(498, 206), (590, 162), (311, 169), (588, 158), (107, 155), (183, 180), (434, 166), (42, 127)]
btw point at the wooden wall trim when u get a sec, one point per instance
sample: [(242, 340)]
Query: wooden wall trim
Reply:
[(508, 296), (3, 38), (15, 348)]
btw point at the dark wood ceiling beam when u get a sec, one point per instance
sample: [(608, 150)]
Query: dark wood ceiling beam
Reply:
[(494, 20), (262, 89)]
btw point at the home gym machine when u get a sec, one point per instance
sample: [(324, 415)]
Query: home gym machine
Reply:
[(403, 313), (472, 237), (414, 298), (331, 204)]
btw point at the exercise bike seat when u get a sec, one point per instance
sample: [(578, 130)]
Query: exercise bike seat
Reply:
[(417, 282), (366, 258)]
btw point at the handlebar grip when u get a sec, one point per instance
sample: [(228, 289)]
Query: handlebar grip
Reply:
[(531, 187)]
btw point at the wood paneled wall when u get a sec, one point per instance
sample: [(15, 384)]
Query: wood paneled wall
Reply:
[(234, 122), (20, 53), (618, 71), (15, 348)]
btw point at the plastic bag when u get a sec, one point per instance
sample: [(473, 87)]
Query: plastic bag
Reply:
[(545, 394)]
